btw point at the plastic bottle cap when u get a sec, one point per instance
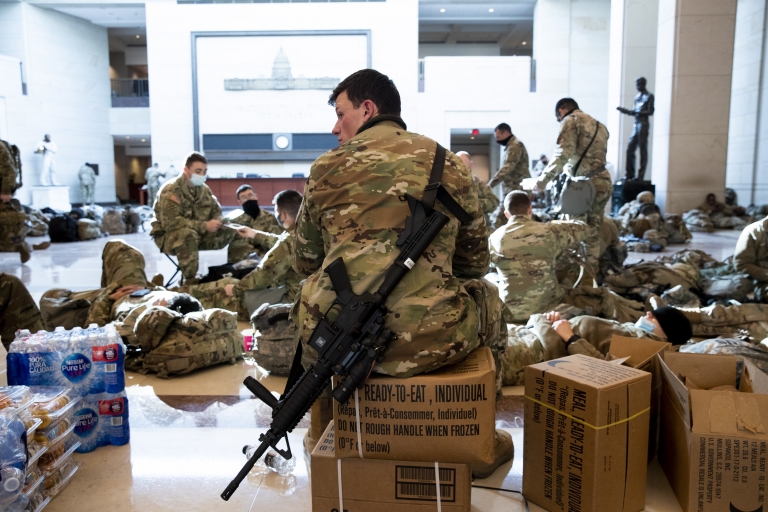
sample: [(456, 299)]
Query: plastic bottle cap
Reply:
[(11, 484)]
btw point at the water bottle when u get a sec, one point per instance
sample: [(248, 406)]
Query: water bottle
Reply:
[(12, 479), (271, 460)]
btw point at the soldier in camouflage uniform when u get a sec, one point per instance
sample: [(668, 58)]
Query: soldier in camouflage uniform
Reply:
[(274, 270), (575, 144), (87, 177), (525, 253), (17, 309), (188, 217), (13, 227), (751, 256), (152, 177), (555, 337), (488, 199), (353, 209), (255, 218), (514, 170)]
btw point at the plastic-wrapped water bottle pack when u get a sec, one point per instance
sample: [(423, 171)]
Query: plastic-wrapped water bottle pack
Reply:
[(87, 361), (13, 457), (102, 420)]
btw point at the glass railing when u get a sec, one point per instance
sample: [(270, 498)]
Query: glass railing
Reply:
[(127, 92)]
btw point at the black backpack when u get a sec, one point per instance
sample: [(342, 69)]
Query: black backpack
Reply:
[(63, 228)]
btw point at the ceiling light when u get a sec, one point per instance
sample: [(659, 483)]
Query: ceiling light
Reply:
[(472, 138), (524, 42), (490, 10), (442, 10), (127, 136), (143, 140), (138, 36)]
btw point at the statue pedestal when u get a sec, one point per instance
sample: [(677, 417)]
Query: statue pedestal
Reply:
[(56, 197)]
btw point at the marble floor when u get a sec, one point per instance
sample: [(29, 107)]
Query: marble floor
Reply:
[(187, 433)]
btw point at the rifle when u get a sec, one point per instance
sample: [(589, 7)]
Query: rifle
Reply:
[(351, 337)]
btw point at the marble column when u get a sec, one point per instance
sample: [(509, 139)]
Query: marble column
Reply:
[(632, 55), (748, 127), (693, 94)]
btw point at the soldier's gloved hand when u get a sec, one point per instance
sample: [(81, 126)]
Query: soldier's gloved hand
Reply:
[(563, 328), (213, 225)]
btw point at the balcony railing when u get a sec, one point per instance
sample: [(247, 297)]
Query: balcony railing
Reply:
[(127, 92)]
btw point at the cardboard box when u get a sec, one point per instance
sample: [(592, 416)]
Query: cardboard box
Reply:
[(446, 416), (590, 457), (385, 485), (641, 354), (714, 443)]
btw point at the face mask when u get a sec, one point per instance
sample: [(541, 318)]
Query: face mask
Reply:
[(645, 324), (251, 207), (503, 142), (197, 180)]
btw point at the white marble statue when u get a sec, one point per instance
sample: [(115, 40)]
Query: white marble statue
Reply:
[(48, 173)]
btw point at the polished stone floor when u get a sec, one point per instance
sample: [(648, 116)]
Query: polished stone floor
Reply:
[(187, 433)]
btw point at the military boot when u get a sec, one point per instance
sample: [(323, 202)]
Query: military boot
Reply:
[(41, 246), (25, 251), (158, 280), (320, 415), (503, 452)]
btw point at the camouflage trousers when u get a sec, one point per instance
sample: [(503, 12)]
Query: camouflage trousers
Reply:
[(87, 194), (594, 218), (717, 320), (13, 227), (523, 348), (122, 264), (601, 301), (239, 249), (212, 295), (17, 309), (186, 243)]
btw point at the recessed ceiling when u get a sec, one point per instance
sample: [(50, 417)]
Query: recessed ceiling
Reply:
[(105, 14)]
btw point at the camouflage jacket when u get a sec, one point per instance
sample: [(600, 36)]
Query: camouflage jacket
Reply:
[(86, 175), (353, 209), (152, 177), (8, 171), (182, 205), (488, 199), (265, 222), (276, 269), (751, 254), (576, 131), (515, 168), (525, 253)]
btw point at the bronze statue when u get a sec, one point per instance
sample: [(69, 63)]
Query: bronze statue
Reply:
[(642, 110)]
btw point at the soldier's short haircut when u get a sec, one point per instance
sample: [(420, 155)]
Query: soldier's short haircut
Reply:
[(503, 127), (566, 103), (242, 188), (184, 303), (288, 201), (369, 84), (517, 202), (194, 157)]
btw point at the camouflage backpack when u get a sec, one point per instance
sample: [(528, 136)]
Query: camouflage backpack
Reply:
[(733, 286), (16, 158), (113, 223), (131, 219), (182, 344), (274, 334), (87, 229)]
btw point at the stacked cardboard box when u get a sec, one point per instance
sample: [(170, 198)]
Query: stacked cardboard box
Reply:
[(386, 446), (714, 441)]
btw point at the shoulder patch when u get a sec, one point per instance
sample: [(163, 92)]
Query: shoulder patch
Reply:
[(175, 199)]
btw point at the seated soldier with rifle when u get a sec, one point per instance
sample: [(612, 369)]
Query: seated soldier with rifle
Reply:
[(372, 207)]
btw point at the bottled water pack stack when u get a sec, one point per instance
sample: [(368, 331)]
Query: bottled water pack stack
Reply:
[(87, 361), (91, 363)]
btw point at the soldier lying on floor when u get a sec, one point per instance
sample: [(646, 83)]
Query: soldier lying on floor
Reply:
[(549, 336)]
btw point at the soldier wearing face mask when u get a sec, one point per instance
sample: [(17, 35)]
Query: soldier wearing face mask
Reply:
[(188, 217), (255, 218)]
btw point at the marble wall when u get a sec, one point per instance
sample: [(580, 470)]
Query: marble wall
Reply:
[(693, 91), (66, 67), (394, 41), (632, 54), (748, 131)]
